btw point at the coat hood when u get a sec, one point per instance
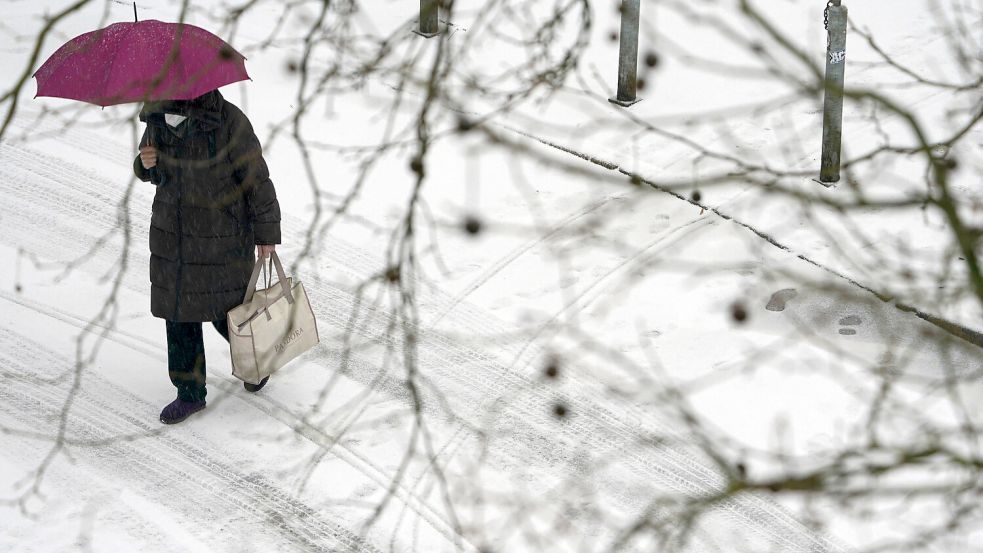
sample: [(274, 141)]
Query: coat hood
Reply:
[(206, 109)]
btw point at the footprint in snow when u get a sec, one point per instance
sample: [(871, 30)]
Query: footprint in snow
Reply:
[(780, 298), (849, 320)]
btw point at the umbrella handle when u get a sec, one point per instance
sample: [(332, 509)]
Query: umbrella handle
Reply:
[(154, 173)]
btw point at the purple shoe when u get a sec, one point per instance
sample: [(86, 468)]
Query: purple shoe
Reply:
[(178, 410)]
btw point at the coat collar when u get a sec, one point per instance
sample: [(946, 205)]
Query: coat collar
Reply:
[(205, 111)]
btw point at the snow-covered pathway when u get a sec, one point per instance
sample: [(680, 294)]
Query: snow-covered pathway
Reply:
[(656, 275)]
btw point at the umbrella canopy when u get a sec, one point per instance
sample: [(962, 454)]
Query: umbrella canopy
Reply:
[(140, 61)]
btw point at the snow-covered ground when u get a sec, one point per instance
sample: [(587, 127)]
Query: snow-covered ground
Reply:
[(626, 288)]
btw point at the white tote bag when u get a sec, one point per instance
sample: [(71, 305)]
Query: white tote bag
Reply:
[(271, 327)]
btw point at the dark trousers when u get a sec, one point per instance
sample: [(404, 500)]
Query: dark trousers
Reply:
[(186, 357)]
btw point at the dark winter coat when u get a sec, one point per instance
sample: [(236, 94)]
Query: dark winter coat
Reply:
[(213, 204)]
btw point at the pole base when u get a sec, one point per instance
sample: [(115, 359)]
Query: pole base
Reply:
[(829, 178), (425, 35), (624, 103)]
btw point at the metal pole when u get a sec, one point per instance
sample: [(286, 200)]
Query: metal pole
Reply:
[(833, 101), (135, 12), (428, 19), (628, 54)]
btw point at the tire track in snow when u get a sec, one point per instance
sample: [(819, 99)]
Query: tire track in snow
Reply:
[(267, 405), (96, 144), (575, 305), (231, 495), (760, 507), (450, 448), (264, 403), (455, 354), (503, 262)]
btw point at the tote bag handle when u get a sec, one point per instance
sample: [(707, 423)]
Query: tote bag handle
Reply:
[(254, 278)]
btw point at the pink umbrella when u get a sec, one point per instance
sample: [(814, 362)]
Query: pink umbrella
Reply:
[(138, 62)]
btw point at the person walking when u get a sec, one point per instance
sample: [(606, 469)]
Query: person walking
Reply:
[(214, 201)]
